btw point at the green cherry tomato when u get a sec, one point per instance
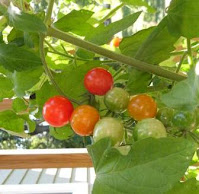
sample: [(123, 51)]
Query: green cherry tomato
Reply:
[(116, 99), (165, 115), (149, 128), (109, 127), (184, 120)]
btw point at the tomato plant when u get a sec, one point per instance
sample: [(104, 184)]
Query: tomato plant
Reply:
[(141, 107), (98, 81), (116, 99), (109, 127), (57, 111), (83, 120), (149, 128), (53, 58)]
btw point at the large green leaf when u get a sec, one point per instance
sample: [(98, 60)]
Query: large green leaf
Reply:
[(103, 34), (185, 94), (6, 88), (151, 166), (76, 22), (19, 105), (10, 121), (25, 80), (189, 187), (24, 21), (157, 47), (17, 58), (183, 18), (138, 81)]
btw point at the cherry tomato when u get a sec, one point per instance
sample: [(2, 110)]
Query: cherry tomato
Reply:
[(141, 107), (57, 111), (149, 128), (165, 115), (83, 120), (109, 127), (98, 81), (184, 120), (115, 42), (116, 99)]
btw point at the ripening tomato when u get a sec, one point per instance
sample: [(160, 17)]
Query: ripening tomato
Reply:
[(115, 42), (149, 128), (83, 120), (57, 111), (98, 81), (116, 99), (184, 120), (109, 127), (141, 107)]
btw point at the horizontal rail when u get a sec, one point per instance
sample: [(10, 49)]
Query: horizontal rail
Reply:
[(55, 158)]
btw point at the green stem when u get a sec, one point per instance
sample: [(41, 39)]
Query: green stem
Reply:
[(48, 71), (111, 13), (189, 51), (180, 65), (142, 66), (47, 19)]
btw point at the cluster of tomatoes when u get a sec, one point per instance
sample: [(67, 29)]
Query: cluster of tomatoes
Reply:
[(85, 119)]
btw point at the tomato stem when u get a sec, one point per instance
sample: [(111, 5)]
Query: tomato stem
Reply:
[(48, 71), (47, 19), (189, 50), (114, 56)]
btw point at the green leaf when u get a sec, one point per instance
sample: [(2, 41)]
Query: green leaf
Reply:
[(157, 47), (10, 121), (24, 21), (25, 80), (139, 3), (103, 34), (183, 18), (17, 58), (18, 105), (130, 45), (185, 94), (151, 166), (76, 22), (189, 187), (61, 133), (6, 88), (138, 81)]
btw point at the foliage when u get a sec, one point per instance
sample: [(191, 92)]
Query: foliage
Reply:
[(46, 52)]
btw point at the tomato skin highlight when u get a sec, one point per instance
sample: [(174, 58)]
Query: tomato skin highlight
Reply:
[(83, 120), (98, 81), (116, 99), (141, 107), (57, 111), (149, 128), (109, 127)]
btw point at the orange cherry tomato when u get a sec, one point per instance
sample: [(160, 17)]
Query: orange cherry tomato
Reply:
[(141, 107), (83, 120), (116, 41)]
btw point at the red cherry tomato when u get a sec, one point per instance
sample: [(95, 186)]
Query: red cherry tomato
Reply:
[(57, 111), (98, 81), (83, 120), (141, 107), (116, 41)]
